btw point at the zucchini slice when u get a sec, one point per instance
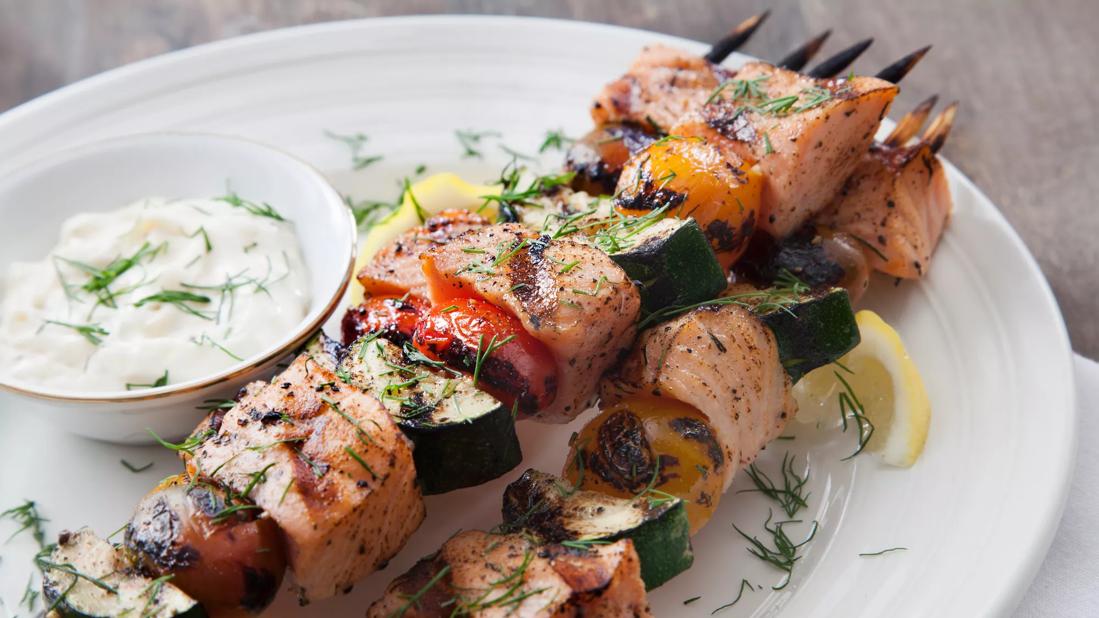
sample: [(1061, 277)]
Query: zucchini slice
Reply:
[(814, 332), (462, 435), (88, 577), (673, 264), (551, 510)]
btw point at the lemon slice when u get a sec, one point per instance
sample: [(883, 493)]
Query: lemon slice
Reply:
[(433, 194), (885, 381)]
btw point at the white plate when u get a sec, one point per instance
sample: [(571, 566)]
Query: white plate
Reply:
[(977, 512)]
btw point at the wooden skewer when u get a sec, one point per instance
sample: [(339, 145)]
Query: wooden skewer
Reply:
[(896, 71), (911, 123), (832, 66), (797, 59), (730, 42), (939, 129)]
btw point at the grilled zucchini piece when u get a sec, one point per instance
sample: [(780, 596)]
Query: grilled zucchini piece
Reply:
[(814, 332), (551, 510), (672, 264), (88, 577), (462, 435)]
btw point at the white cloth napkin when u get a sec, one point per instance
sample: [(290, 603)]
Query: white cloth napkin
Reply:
[(1068, 583)]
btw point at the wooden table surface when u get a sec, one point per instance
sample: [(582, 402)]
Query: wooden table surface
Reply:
[(1026, 73)]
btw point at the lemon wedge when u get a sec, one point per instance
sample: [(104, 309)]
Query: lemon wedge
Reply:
[(885, 381), (430, 196)]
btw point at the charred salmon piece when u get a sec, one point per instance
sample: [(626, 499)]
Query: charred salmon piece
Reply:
[(661, 85), (723, 361), (807, 134), (395, 270), (488, 576), (327, 464), (567, 294), (897, 202)]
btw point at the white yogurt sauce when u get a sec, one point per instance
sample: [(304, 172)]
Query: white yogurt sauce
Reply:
[(208, 284)]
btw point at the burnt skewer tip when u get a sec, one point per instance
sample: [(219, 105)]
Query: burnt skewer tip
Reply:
[(937, 132), (832, 66), (909, 124), (730, 42), (797, 59), (896, 71)]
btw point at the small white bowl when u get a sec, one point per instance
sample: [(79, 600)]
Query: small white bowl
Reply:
[(108, 175)]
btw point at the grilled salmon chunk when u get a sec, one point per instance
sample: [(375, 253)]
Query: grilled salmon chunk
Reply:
[(723, 361), (807, 134), (324, 461), (567, 294), (898, 202), (661, 85), (395, 270), (487, 576)]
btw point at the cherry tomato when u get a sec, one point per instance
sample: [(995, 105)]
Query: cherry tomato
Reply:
[(643, 443), (478, 337), (228, 560), (394, 317)]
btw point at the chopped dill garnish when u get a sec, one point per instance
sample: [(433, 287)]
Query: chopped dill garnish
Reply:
[(743, 584), (515, 154), (207, 340), (470, 141), (786, 292), (355, 143), (187, 446), (262, 209), (414, 600), (691, 600), (26, 515), (882, 552), (784, 554), (216, 404), (205, 237), (161, 381), (482, 355), (100, 279), (179, 299), (851, 407), (94, 333), (790, 495), (556, 140)]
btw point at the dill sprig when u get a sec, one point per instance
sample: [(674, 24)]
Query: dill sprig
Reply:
[(187, 446), (355, 143), (161, 381), (882, 552), (555, 139), (851, 407), (100, 279), (414, 599), (750, 95), (210, 405), (94, 333), (262, 209), (787, 291), (470, 141), (743, 584), (790, 495), (483, 354), (784, 555), (368, 213), (26, 515), (512, 197), (179, 299)]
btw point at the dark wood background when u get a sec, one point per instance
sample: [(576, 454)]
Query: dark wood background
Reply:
[(1027, 74)]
